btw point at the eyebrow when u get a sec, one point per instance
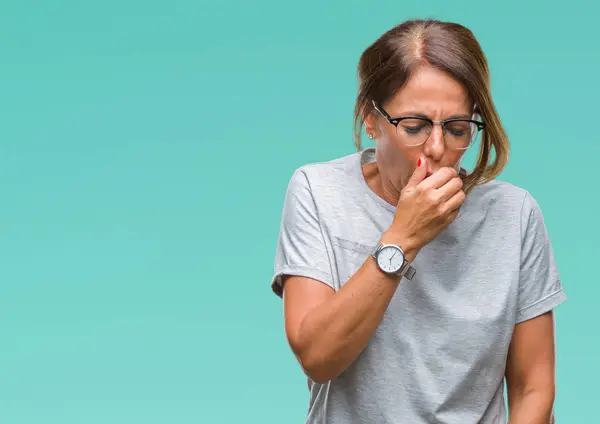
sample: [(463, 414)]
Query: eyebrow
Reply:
[(421, 115)]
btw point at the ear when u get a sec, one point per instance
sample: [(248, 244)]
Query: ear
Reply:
[(370, 122)]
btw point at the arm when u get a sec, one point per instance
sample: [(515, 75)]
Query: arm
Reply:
[(328, 330), (531, 354), (530, 371)]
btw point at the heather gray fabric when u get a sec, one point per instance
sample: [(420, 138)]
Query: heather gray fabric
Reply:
[(439, 354)]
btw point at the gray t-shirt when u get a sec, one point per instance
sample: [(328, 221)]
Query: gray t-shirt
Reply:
[(439, 354)]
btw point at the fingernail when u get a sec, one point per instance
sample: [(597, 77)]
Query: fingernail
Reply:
[(419, 163)]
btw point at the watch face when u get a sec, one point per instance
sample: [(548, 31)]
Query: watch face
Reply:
[(390, 259)]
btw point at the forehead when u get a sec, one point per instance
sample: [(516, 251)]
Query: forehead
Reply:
[(433, 92)]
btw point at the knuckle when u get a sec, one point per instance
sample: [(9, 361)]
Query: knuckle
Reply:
[(432, 198), (442, 209)]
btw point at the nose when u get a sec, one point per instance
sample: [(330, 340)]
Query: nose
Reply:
[(435, 144)]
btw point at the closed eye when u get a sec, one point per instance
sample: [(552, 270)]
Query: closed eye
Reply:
[(413, 126)]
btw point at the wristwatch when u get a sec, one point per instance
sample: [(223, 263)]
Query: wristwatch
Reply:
[(391, 259)]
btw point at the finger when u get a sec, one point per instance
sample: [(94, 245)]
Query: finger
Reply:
[(450, 188), (452, 216), (455, 202), (440, 177), (418, 174)]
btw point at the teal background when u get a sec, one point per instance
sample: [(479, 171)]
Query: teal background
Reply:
[(145, 151)]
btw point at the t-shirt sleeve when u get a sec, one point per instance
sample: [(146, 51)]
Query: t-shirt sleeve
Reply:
[(540, 287), (301, 249)]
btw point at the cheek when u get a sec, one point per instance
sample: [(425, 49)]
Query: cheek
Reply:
[(391, 151), (399, 160), (455, 159), (395, 152)]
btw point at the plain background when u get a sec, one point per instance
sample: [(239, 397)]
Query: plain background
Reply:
[(145, 148)]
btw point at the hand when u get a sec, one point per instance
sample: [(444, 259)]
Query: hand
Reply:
[(425, 208)]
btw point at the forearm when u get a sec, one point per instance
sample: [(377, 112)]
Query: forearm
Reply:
[(334, 333), (532, 407)]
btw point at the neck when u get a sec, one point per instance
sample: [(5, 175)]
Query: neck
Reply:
[(380, 185)]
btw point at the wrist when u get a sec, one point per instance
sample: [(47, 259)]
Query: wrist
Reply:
[(408, 246)]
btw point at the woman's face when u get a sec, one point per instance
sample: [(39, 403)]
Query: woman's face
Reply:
[(429, 93)]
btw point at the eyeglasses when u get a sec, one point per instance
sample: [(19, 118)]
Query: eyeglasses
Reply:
[(411, 131)]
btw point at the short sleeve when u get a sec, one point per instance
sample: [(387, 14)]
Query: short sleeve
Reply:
[(301, 248), (540, 288)]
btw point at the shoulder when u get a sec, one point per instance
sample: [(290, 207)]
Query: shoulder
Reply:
[(500, 191), (328, 175), (503, 195), (508, 202)]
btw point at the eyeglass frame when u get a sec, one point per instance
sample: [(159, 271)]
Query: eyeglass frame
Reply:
[(395, 121)]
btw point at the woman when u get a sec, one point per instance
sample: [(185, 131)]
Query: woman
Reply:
[(412, 288)]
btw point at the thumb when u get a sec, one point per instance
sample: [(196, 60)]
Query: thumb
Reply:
[(418, 174)]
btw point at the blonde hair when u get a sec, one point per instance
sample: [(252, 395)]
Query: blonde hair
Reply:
[(387, 64)]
